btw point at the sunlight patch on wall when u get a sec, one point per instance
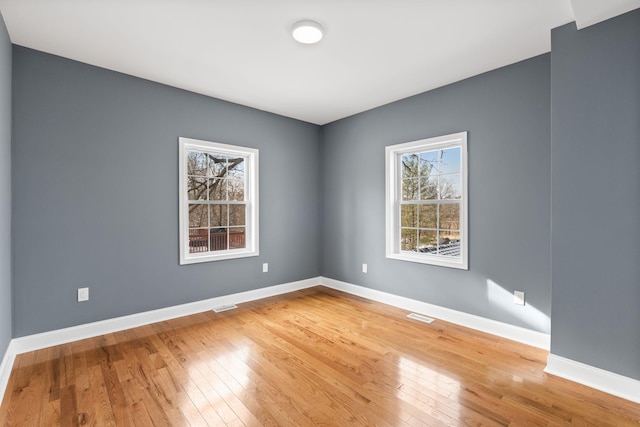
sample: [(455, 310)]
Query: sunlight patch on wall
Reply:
[(502, 299)]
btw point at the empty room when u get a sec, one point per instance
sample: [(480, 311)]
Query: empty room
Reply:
[(301, 212)]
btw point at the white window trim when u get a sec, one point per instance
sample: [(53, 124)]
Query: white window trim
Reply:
[(251, 192), (393, 154)]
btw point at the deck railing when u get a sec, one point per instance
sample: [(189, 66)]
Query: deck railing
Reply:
[(203, 240)]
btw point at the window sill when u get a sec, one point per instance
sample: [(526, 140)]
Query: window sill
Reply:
[(436, 260), (223, 255)]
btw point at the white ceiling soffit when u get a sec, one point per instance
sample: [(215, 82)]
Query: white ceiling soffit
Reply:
[(374, 51), (589, 12)]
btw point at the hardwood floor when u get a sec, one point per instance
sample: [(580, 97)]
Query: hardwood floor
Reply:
[(313, 357)]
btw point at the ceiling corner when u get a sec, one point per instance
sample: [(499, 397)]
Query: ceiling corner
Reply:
[(589, 12)]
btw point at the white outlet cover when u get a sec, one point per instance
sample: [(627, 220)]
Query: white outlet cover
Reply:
[(83, 294), (265, 267), (364, 268), (518, 297)]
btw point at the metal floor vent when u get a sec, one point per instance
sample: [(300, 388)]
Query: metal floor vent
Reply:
[(420, 318), (224, 308)]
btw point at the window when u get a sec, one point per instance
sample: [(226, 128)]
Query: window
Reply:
[(427, 201), (218, 201)]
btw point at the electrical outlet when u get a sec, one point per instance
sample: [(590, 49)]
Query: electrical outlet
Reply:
[(83, 294), (518, 297), (265, 267), (364, 268)]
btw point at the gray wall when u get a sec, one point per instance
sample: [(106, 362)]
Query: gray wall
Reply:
[(596, 194), (5, 189), (95, 182), (95, 204), (506, 112)]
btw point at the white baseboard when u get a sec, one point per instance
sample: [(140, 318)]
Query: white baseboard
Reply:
[(609, 382), (593, 377), (89, 330), (61, 336), (505, 330), (6, 366)]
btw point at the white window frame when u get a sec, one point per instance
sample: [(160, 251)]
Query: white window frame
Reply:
[(393, 156), (251, 198)]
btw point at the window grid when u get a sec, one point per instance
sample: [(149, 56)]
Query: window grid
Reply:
[(219, 174), (445, 240)]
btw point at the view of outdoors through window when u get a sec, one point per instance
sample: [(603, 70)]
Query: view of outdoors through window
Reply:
[(217, 206), (430, 202)]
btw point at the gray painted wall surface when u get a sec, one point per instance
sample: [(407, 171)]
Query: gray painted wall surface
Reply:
[(95, 181), (5, 189), (596, 194), (506, 112)]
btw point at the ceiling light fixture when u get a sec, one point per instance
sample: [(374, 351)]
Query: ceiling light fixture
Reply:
[(307, 32)]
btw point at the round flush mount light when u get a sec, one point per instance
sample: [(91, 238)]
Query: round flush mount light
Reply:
[(307, 32)]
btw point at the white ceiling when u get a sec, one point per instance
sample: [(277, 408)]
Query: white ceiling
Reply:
[(374, 51), (589, 12)]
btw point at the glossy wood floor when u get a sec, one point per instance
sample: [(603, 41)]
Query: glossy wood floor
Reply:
[(314, 357)]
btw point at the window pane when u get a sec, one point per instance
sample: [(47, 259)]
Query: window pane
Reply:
[(196, 188), (218, 215), (410, 165), (217, 165), (236, 167), (237, 238), (449, 243), (408, 239), (450, 187), (427, 240), (450, 160), (450, 216), (237, 215), (196, 163), (428, 216), (217, 189), (410, 189), (409, 216), (198, 216), (218, 239), (429, 163), (236, 189), (428, 188), (198, 238)]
